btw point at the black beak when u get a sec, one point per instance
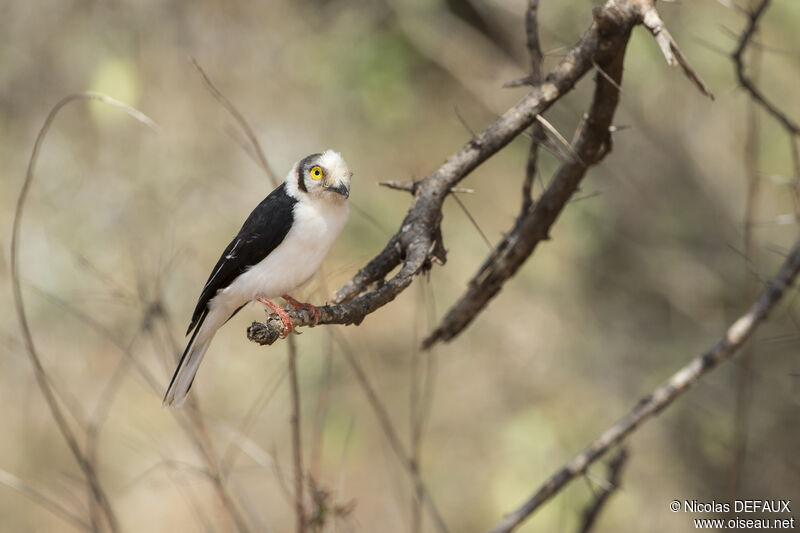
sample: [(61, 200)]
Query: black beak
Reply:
[(341, 189)]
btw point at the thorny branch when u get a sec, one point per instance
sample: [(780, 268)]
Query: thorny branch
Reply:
[(417, 244), (533, 224), (677, 384)]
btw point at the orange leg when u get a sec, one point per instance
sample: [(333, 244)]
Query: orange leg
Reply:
[(288, 326), (300, 305)]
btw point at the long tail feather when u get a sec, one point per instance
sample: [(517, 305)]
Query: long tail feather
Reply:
[(190, 362)]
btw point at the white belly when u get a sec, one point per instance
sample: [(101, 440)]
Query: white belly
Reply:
[(294, 262)]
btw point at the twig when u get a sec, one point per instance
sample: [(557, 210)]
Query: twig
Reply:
[(323, 399), (203, 443), (103, 332), (229, 457), (297, 446), (191, 421), (746, 82), (614, 477), (411, 186), (420, 399), (472, 220), (672, 53), (240, 120), (154, 314), (537, 133), (98, 494), (534, 49), (744, 371), (391, 434), (15, 483), (532, 40), (321, 410), (464, 122), (664, 395)]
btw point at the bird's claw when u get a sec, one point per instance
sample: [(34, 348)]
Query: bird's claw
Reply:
[(288, 325), (312, 309)]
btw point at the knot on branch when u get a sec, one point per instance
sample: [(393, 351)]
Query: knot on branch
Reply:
[(269, 331), (263, 333)]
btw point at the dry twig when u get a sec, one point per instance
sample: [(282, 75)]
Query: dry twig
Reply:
[(98, 498), (46, 502), (243, 124), (297, 443), (592, 511), (664, 395), (391, 435), (738, 57)]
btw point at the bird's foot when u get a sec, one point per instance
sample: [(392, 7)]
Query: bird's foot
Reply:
[(288, 326), (315, 313)]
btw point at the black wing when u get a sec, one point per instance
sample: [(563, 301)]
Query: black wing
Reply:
[(262, 232)]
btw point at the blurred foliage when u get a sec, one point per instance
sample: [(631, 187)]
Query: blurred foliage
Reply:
[(642, 273)]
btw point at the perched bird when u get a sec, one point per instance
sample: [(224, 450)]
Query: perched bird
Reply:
[(279, 248)]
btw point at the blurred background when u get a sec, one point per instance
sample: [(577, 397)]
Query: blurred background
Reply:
[(644, 271)]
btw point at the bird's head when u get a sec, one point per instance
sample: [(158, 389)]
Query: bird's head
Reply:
[(325, 176)]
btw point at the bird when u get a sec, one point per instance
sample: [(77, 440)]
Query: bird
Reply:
[(278, 250)]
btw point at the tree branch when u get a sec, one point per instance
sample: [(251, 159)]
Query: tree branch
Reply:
[(533, 226), (664, 395), (417, 244)]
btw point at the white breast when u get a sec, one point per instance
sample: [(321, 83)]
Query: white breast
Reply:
[(294, 262)]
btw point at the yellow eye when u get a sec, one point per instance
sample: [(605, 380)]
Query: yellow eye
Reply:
[(316, 173)]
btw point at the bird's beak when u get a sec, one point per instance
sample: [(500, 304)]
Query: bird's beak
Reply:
[(341, 189)]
